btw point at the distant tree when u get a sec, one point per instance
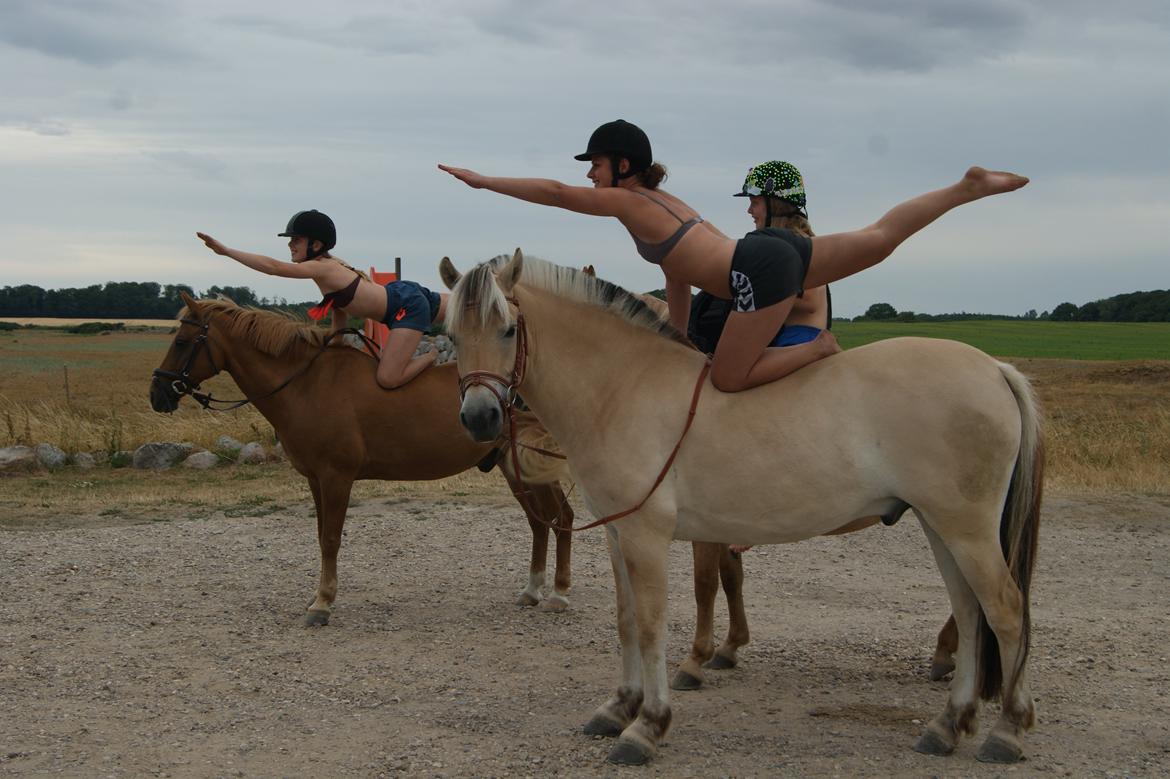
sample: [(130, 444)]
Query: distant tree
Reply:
[(906, 316), (881, 312), (1030, 314), (1065, 312), (1090, 312)]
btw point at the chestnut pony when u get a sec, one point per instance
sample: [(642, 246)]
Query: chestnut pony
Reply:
[(337, 425), (931, 425)]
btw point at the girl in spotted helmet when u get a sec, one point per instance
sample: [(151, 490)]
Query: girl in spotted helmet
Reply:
[(779, 204), (407, 308), (763, 272)]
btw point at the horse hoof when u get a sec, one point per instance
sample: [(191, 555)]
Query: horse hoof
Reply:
[(998, 750), (939, 671), (602, 725), (720, 663), (628, 753), (931, 743), (685, 681), (555, 604), (527, 599), (315, 619)]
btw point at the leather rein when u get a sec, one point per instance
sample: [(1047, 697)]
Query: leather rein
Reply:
[(181, 384), (506, 392)]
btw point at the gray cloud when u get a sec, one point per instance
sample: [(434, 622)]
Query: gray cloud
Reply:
[(91, 32)]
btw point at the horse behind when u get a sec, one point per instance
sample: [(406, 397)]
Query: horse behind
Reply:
[(934, 426), (337, 425)]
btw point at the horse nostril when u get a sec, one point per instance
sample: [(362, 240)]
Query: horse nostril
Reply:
[(463, 418)]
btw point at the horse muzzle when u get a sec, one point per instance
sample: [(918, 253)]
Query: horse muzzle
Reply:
[(164, 398), (481, 416)]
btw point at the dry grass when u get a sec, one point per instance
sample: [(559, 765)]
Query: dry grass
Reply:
[(1108, 422)]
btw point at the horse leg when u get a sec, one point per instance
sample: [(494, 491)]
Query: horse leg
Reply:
[(645, 549), (731, 574), (689, 675), (987, 573), (943, 732), (559, 512), (943, 661), (526, 496), (612, 717), (331, 495)]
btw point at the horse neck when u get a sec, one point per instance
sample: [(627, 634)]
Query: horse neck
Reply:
[(586, 365), (257, 373)]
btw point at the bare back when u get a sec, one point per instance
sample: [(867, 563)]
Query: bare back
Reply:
[(702, 258)]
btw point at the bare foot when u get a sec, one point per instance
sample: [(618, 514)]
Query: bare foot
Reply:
[(827, 343), (739, 548), (982, 182)]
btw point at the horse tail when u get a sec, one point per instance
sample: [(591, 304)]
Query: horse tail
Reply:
[(1019, 533)]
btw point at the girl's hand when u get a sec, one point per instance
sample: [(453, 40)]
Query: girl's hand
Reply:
[(213, 244), (468, 177)]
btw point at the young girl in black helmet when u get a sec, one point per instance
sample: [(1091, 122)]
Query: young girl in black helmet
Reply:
[(407, 308), (762, 272)]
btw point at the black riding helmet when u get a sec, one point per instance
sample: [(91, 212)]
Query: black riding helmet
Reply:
[(619, 139), (315, 226)]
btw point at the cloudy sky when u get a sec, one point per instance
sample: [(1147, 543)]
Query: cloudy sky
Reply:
[(127, 125)]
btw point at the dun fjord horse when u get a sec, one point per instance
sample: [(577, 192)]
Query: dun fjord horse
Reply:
[(715, 564), (931, 425), (337, 425)]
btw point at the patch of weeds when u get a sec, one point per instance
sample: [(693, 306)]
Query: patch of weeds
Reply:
[(121, 459), (113, 511), (247, 475), (460, 493)]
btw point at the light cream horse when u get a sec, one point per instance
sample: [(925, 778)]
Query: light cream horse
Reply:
[(934, 425)]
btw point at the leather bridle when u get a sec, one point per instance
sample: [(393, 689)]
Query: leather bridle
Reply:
[(506, 391)]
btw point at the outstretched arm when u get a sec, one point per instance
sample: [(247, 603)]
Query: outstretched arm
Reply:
[(306, 270), (611, 201)]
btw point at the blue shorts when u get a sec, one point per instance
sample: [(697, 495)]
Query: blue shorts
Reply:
[(791, 335), (410, 305)]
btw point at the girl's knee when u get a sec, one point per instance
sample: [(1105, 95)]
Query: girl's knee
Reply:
[(388, 380), (726, 381)]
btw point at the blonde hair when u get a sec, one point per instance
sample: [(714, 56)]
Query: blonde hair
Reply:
[(790, 219)]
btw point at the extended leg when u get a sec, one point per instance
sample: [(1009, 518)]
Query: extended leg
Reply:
[(842, 254)]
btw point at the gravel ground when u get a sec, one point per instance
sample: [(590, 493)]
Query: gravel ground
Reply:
[(173, 648)]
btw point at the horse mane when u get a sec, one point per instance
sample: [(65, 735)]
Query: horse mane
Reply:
[(272, 332), (477, 290)]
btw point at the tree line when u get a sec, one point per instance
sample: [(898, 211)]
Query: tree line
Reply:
[(151, 300), (122, 300), (1153, 306)]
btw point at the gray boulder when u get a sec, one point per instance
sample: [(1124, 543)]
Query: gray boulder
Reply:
[(159, 456), (228, 445), (17, 458), (50, 456), (202, 461), (253, 453), (84, 461)]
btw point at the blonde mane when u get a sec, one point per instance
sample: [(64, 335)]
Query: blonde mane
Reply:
[(477, 290), (272, 332)]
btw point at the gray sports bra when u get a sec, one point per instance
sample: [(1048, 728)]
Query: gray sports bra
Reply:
[(656, 252)]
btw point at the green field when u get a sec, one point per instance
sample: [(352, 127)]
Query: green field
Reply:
[(1007, 338)]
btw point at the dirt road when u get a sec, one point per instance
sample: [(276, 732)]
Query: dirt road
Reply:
[(173, 648)]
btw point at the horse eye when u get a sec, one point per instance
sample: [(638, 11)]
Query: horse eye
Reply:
[(510, 332), (181, 342)]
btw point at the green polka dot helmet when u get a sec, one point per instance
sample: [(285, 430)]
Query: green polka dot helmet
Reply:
[(776, 179)]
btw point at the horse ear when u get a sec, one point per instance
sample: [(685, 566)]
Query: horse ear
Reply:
[(510, 273), (188, 301), (447, 272), (588, 270)]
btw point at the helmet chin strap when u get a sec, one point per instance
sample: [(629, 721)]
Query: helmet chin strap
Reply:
[(615, 164)]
